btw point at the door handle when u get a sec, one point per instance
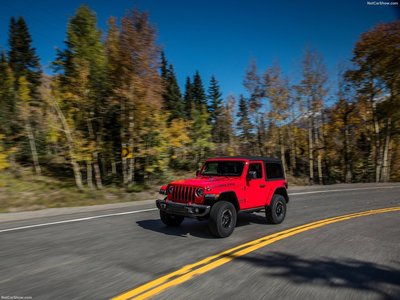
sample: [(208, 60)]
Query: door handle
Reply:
[(262, 185)]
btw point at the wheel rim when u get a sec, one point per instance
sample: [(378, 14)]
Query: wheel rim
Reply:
[(226, 218), (279, 209)]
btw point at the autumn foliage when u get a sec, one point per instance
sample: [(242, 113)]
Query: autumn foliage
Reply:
[(117, 93)]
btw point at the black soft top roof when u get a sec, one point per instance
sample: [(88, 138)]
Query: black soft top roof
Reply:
[(265, 159)]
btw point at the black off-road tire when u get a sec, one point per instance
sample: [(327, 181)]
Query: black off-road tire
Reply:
[(171, 220), (275, 212), (222, 219)]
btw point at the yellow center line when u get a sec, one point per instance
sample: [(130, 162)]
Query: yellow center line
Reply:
[(189, 271)]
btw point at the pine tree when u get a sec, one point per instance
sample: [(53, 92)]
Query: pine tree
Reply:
[(112, 125), (83, 81), (22, 56), (25, 64), (164, 66), (215, 109), (199, 95), (8, 111), (201, 129), (83, 43), (245, 127), (172, 95), (214, 102), (188, 99), (200, 135)]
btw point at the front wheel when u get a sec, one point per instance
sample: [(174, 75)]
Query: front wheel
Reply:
[(171, 220), (222, 219), (275, 212)]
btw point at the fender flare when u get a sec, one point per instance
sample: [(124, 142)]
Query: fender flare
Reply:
[(281, 191)]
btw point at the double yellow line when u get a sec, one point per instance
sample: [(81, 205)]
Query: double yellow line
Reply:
[(189, 271)]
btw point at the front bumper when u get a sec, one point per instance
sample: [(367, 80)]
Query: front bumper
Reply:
[(182, 209)]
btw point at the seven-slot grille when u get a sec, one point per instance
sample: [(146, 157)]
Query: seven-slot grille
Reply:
[(183, 193)]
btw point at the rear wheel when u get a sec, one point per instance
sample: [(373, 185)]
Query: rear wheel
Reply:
[(222, 219), (171, 220), (275, 212)]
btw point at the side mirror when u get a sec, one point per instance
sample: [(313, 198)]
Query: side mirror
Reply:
[(251, 175), (197, 173)]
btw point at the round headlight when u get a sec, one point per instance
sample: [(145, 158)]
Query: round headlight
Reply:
[(170, 189), (199, 192)]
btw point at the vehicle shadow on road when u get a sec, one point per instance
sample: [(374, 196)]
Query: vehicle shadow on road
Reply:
[(245, 219), (196, 228), (188, 227), (348, 273)]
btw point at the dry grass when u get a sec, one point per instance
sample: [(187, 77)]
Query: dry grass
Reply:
[(297, 181), (30, 192)]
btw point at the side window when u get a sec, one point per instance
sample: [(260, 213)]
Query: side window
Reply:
[(257, 167), (274, 171), (210, 168)]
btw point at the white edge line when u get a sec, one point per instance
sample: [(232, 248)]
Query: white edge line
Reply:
[(78, 220), (344, 190), (152, 209)]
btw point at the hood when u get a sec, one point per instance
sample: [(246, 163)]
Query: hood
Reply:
[(207, 181)]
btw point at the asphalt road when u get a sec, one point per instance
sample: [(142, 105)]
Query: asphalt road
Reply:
[(99, 253)]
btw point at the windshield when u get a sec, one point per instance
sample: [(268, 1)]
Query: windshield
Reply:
[(223, 168)]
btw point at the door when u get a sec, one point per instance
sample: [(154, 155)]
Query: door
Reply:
[(256, 188)]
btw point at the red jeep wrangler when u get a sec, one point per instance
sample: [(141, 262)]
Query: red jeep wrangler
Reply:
[(222, 188)]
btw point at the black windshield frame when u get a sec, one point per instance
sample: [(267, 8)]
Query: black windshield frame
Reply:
[(223, 168)]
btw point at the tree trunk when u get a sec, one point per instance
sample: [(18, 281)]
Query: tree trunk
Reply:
[(282, 150), (390, 158), (124, 170), (32, 145), (89, 177), (131, 167), (14, 166), (113, 168), (292, 152), (97, 172), (70, 142), (317, 145), (385, 168), (95, 153), (347, 166), (77, 174), (310, 150), (320, 178), (104, 169), (260, 138), (324, 160), (378, 150), (124, 166), (292, 140)]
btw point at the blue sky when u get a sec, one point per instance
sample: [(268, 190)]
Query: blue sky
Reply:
[(218, 37)]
